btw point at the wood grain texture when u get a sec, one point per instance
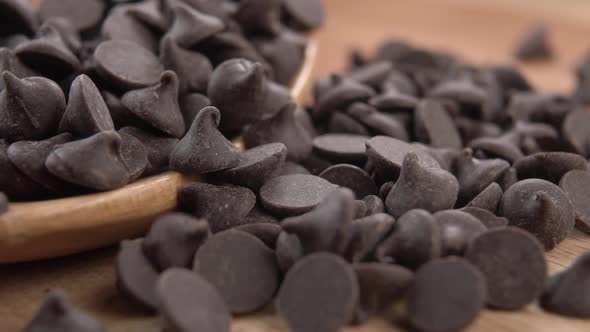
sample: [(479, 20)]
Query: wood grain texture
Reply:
[(479, 30)]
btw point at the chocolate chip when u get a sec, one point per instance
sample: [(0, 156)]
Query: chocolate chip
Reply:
[(126, 65), (134, 155), (85, 15), (510, 79), (319, 293), (541, 208), (365, 235), (351, 177), (393, 101), (487, 199), (372, 74), (173, 240), (204, 149), (158, 148), (446, 295), (574, 185), (463, 92), (435, 126), (256, 166), (136, 276), (567, 291), (445, 157), (327, 226), (10, 62), (509, 179), (282, 128), (221, 206), (419, 187), (258, 215), (415, 240), (230, 45), (265, 231), (516, 275), (181, 294), (193, 69), (379, 123), (17, 17), (30, 108), (191, 26), (241, 267), (15, 184), (260, 16), (122, 25), (385, 189), (488, 218), (190, 105), (307, 14), (340, 123), (57, 315), (87, 112), (374, 204), (285, 53), (67, 31), (550, 166), (504, 146), (457, 229), (574, 132), (380, 285), (151, 13), (534, 45), (288, 250), (342, 93), (471, 129)]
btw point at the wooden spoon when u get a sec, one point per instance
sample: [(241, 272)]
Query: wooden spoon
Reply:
[(38, 230)]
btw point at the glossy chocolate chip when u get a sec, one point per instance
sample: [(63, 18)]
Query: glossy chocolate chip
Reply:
[(94, 162), (122, 25), (550, 166), (365, 235), (222, 206), (379, 123), (489, 219), (351, 177), (567, 291), (136, 276), (327, 226), (487, 199), (419, 187), (446, 295), (257, 165), (534, 45), (241, 267), (193, 69), (266, 232), (55, 314), (415, 240), (182, 293), (541, 208), (204, 149), (87, 112), (288, 251), (319, 293), (191, 26), (457, 229), (291, 195), (16, 185), (574, 184), (342, 93), (84, 15), (17, 17), (30, 108), (126, 65), (173, 240), (380, 285), (516, 276), (283, 128), (434, 126)]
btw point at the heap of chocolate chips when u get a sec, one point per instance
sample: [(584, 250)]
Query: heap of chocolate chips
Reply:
[(95, 94)]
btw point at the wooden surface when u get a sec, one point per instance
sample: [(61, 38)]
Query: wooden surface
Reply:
[(479, 30)]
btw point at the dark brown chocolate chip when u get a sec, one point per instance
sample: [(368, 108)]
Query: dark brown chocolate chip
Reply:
[(136, 276), (191, 26), (372, 74), (574, 131), (87, 112), (241, 267), (575, 184), (173, 240), (342, 93), (380, 285), (327, 226), (204, 149), (510, 79), (516, 276), (307, 14), (283, 128), (457, 229), (230, 45), (415, 240), (288, 251), (257, 165), (434, 126), (85, 15), (567, 291), (463, 92), (258, 215), (17, 17), (351, 177), (126, 65), (94, 162), (285, 53), (122, 25), (445, 157), (385, 189), (550, 166), (374, 204), (222, 206), (446, 295), (265, 231), (393, 101), (365, 235), (10, 62), (534, 45), (488, 218), (504, 146), (419, 187), (290, 195), (30, 108), (379, 123), (57, 315), (541, 208), (16, 185), (188, 302), (190, 105), (319, 293), (151, 13), (488, 199), (509, 179), (471, 129), (193, 69), (261, 17), (158, 148), (134, 155), (340, 123), (68, 32)]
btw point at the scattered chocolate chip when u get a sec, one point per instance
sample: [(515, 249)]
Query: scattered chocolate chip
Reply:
[(352, 177), (374, 204), (340, 123), (285, 53), (84, 15), (550, 166), (193, 69), (365, 235), (380, 123), (372, 74), (516, 276), (158, 148), (190, 105), (134, 155), (488, 218), (241, 267), (319, 293), (393, 100), (288, 250), (464, 92), (191, 26), (10, 62), (151, 13), (122, 25), (260, 16), (534, 45), (16, 185), (17, 17), (446, 295), (342, 93), (307, 14), (266, 232), (290, 168), (574, 131), (505, 146), (487, 199), (574, 186), (457, 229), (435, 126)]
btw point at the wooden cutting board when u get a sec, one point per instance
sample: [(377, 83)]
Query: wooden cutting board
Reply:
[(481, 31)]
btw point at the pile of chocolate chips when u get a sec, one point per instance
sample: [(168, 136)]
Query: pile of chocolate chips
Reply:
[(414, 179), (96, 94)]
